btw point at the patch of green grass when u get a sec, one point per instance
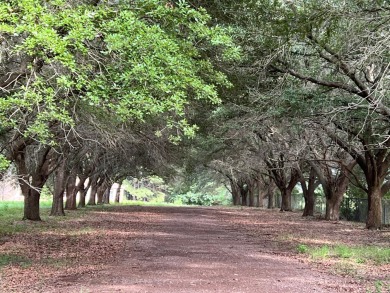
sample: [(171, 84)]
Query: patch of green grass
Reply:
[(7, 259), (359, 254), (11, 214), (302, 248), (379, 287), (320, 252)]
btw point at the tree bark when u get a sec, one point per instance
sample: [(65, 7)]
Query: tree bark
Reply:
[(31, 182), (308, 193), (333, 207), (374, 218), (118, 193), (71, 193), (57, 207), (235, 193), (286, 200), (83, 192), (94, 187), (100, 192), (31, 198), (271, 199), (106, 195), (244, 195), (251, 193)]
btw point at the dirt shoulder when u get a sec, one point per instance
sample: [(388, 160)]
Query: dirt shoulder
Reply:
[(167, 249)]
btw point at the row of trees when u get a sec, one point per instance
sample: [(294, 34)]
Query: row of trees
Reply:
[(100, 89), (310, 104)]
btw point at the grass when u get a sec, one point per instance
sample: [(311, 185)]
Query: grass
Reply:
[(6, 259), (358, 254), (11, 213)]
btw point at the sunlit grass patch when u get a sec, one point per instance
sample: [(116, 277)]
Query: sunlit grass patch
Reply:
[(359, 254)]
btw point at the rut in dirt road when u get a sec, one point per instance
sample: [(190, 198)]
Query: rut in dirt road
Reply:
[(194, 250)]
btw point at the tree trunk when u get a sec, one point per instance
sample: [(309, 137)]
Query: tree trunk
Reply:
[(106, 195), (83, 194), (31, 205), (235, 193), (100, 191), (309, 205), (308, 193), (71, 193), (92, 195), (57, 207), (244, 197), (83, 190), (374, 218), (251, 192), (31, 198), (31, 193), (286, 200), (118, 193), (271, 199), (333, 207)]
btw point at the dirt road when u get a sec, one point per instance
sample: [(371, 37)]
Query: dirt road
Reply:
[(197, 250)]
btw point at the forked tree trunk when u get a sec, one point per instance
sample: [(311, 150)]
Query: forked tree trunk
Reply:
[(334, 193)]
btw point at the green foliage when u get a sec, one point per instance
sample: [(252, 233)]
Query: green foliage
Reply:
[(152, 188), (134, 59), (46, 194), (202, 197), (4, 163)]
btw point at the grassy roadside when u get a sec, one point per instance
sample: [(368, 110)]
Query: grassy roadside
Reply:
[(11, 214), (353, 261), (358, 254)]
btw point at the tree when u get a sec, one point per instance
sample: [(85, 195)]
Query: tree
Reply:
[(137, 60)]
